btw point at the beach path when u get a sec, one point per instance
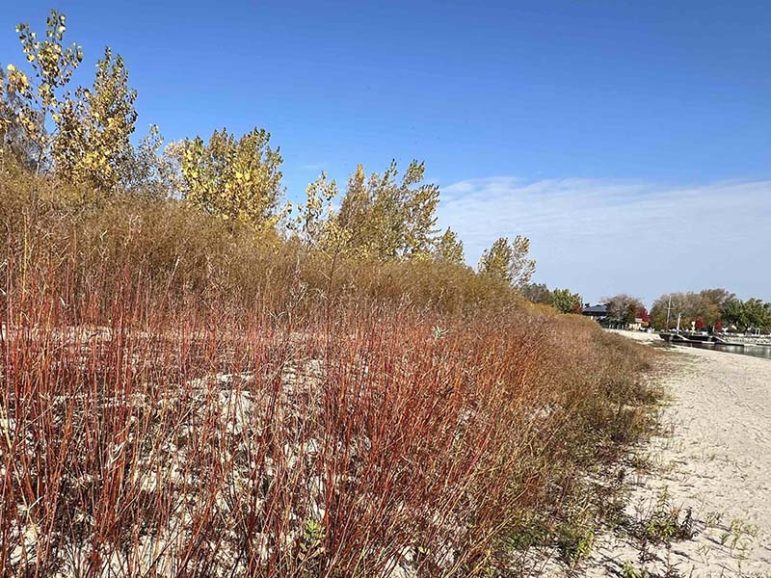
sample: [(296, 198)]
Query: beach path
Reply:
[(714, 459)]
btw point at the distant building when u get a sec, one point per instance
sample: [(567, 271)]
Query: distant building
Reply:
[(597, 312), (601, 314)]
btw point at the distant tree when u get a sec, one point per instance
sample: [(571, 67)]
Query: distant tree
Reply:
[(356, 208), (717, 297), (449, 248), (537, 293), (150, 169), (522, 266), (750, 315), (757, 314), (708, 306), (417, 205), (237, 179), (386, 218), (508, 261), (659, 311), (314, 223), (564, 301), (623, 308), (496, 261), (734, 314)]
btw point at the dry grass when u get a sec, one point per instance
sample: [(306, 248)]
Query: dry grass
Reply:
[(175, 401)]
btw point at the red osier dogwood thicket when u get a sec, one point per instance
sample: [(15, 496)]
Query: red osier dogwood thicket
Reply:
[(228, 415)]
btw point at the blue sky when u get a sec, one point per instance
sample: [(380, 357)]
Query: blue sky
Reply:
[(585, 120)]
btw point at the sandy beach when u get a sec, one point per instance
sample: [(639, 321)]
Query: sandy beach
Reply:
[(714, 459)]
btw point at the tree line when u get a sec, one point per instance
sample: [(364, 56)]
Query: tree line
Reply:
[(83, 137), (712, 310)]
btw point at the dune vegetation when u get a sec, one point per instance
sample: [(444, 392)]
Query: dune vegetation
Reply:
[(196, 380)]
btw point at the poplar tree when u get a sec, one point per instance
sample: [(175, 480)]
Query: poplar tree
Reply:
[(29, 102), (92, 145), (496, 260), (236, 179), (314, 223), (449, 248), (509, 262), (386, 218)]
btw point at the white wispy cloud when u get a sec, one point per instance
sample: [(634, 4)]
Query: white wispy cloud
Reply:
[(600, 237)]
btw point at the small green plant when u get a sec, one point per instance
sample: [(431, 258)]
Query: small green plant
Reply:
[(311, 547), (313, 534), (631, 570), (713, 518), (665, 525), (575, 543), (529, 533), (738, 535)]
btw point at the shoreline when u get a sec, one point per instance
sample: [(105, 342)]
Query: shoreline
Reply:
[(715, 462)]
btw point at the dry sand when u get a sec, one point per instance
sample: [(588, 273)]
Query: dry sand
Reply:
[(716, 460)]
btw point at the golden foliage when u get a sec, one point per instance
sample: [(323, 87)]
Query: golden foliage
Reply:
[(449, 248), (508, 261), (237, 180), (388, 219), (92, 145)]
